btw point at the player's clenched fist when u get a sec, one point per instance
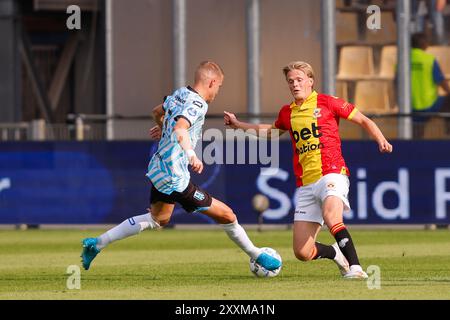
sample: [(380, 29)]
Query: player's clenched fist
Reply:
[(196, 163), (385, 147), (230, 120)]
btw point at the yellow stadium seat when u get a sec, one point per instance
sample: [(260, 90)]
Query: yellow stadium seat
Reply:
[(379, 3), (340, 4), (350, 131), (356, 62), (388, 125), (372, 96), (442, 54), (388, 62), (342, 90)]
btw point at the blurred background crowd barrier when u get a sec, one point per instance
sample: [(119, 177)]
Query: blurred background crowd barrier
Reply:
[(123, 58), (78, 80), (100, 182)]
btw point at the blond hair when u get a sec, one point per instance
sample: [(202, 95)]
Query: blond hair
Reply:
[(208, 69), (299, 65)]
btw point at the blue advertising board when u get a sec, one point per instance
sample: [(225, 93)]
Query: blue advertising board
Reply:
[(105, 182)]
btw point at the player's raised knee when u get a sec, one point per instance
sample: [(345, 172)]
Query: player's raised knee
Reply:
[(304, 254), (229, 216), (163, 222)]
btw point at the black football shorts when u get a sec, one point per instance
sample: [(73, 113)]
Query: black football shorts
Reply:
[(192, 199)]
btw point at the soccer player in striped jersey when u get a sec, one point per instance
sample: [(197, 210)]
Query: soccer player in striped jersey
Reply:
[(179, 125), (312, 121)]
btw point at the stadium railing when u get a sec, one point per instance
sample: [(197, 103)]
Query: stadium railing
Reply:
[(88, 127), (14, 131)]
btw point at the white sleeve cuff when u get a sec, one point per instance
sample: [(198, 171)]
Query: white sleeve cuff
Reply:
[(190, 153)]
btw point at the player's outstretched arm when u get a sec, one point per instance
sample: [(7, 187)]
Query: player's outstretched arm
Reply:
[(155, 132), (259, 130), (372, 129), (182, 135), (158, 115)]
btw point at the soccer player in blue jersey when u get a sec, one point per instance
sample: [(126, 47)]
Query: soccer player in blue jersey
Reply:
[(180, 119)]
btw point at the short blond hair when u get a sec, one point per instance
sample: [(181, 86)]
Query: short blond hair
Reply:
[(207, 69), (299, 65)]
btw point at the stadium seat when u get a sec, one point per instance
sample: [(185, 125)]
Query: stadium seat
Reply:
[(372, 96), (442, 54), (379, 3), (342, 90), (356, 62), (389, 126), (350, 131), (340, 4), (388, 62), (346, 27), (387, 33)]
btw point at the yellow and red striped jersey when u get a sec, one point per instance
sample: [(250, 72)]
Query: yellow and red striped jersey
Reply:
[(314, 130)]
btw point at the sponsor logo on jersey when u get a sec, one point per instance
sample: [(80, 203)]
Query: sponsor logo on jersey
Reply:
[(309, 147), (345, 105), (331, 186), (307, 133), (197, 103), (179, 99)]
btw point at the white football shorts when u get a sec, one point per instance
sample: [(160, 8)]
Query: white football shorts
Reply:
[(310, 197)]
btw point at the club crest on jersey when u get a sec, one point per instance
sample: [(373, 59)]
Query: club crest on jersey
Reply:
[(316, 113), (192, 112), (199, 196)]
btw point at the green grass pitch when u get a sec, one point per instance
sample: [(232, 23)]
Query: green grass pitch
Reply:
[(197, 264)]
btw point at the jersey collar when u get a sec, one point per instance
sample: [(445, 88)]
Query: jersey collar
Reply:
[(192, 89), (312, 96)]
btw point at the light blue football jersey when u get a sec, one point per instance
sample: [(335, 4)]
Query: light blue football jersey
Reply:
[(168, 168)]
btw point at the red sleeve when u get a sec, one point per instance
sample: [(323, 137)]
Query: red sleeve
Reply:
[(341, 108), (283, 121)]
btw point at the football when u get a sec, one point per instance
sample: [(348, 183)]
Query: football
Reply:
[(262, 272), (260, 202)]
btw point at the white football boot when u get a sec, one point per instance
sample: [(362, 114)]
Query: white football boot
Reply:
[(356, 272), (340, 260)]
